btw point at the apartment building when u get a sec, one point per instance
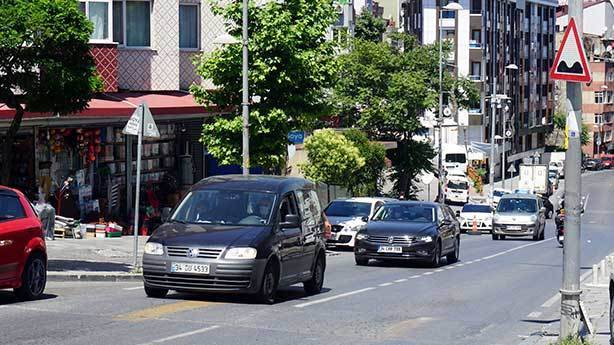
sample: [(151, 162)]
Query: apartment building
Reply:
[(488, 37)]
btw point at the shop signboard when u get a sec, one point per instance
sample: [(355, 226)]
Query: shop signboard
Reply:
[(296, 137)]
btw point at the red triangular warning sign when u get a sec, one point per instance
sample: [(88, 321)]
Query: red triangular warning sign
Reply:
[(570, 63)]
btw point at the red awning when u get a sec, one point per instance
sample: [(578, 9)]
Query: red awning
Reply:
[(122, 104)]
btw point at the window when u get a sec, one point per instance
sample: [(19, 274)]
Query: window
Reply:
[(598, 119), (310, 207), (10, 208), (599, 97), (476, 36), (99, 13), (188, 26), (287, 207), (476, 68), (133, 17)]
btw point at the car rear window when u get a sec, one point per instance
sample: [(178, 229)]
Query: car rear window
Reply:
[(476, 208), (10, 208)]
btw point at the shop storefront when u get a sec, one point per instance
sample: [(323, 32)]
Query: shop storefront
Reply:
[(89, 152)]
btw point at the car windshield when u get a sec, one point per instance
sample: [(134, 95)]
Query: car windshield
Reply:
[(456, 158), (227, 207), (476, 208), (412, 213), (517, 205), (458, 185), (348, 209), (498, 193)]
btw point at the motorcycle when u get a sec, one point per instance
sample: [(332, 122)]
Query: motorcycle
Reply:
[(560, 227)]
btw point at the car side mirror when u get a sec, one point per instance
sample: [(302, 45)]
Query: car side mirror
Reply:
[(165, 214), (457, 213), (365, 219), (292, 221)]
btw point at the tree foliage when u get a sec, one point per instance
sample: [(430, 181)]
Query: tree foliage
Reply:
[(45, 64), (332, 158), (365, 181), (290, 64), (385, 88), (369, 27), (560, 122)]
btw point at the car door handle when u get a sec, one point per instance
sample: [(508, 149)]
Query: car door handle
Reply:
[(5, 243)]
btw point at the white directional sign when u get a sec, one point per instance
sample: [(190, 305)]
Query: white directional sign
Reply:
[(142, 114), (511, 169)]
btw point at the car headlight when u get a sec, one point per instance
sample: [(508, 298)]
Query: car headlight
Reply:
[(496, 218), (241, 253), (356, 227), (362, 236), (533, 219), (153, 248), (426, 239)]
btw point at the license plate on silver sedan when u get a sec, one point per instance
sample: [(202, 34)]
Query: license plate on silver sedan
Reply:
[(514, 227), (178, 267), (390, 249)]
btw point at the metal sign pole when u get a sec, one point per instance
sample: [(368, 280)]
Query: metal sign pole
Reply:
[(139, 149)]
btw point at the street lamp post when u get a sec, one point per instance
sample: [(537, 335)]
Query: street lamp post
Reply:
[(453, 6), (510, 67)]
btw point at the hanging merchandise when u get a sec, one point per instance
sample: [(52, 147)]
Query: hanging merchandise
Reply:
[(88, 143)]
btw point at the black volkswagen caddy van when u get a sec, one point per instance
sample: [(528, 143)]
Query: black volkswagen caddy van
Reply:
[(239, 234)]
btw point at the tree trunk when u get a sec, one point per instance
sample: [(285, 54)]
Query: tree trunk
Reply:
[(7, 144)]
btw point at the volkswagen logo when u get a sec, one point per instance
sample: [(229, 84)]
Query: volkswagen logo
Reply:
[(391, 239), (193, 253)]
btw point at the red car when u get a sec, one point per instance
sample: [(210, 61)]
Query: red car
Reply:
[(608, 162), (23, 254)]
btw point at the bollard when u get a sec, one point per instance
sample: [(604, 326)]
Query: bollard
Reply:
[(595, 274), (603, 276)]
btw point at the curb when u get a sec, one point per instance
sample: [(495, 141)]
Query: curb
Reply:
[(94, 277)]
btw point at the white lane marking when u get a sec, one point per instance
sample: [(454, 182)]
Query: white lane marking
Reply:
[(323, 300), (586, 201), (552, 300), (459, 265), (439, 270), (182, 335), (427, 273), (414, 277), (400, 280), (385, 284), (478, 260), (469, 262), (449, 268), (534, 315), (133, 288)]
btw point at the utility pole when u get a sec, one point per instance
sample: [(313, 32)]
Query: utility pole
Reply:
[(493, 95), (245, 102), (570, 293)]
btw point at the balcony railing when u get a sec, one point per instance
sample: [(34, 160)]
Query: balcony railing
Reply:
[(475, 44)]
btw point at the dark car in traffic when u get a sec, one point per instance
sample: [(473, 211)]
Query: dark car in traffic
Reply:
[(409, 230), (239, 234), (594, 164)]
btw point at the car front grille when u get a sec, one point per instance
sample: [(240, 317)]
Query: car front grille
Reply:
[(203, 253), (395, 239), (196, 282)]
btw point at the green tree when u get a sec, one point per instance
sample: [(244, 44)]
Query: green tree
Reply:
[(45, 63), (385, 88), (560, 121), (369, 27), (291, 64), (365, 181), (332, 158)]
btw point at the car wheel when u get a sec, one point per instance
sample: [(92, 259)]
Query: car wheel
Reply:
[(361, 261), (501, 237), (155, 293), (453, 257), (33, 279), (495, 237), (268, 289), (611, 314), (436, 259), (314, 285), (536, 236), (542, 236)]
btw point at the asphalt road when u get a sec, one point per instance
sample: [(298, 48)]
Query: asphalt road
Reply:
[(497, 293)]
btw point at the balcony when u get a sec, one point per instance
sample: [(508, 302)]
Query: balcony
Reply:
[(473, 44)]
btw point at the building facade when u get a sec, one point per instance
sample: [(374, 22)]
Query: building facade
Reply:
[(489, 38)]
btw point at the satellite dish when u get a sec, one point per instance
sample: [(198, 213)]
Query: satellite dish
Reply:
[(447, 112)]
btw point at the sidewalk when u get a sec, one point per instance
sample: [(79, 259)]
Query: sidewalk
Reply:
[(596, 299), (92, 259)]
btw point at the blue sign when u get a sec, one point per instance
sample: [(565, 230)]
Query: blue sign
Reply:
[(296, 137)]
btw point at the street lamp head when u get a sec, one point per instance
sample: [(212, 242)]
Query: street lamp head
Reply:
[(512, 67), (453, 6), (226, 39), (498, 137)]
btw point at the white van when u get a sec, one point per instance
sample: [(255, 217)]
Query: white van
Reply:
[(455, 157), (457, 190)]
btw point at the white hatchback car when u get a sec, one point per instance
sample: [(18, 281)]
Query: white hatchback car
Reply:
[(348, 216)]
